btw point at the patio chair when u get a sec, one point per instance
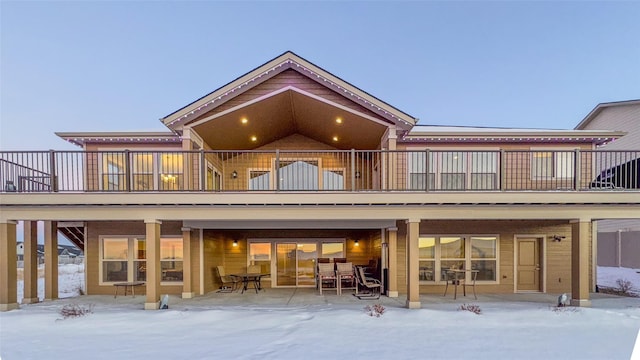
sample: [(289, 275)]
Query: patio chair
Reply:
[(327, 276), (227, 279), (346, 277), (372, 287)]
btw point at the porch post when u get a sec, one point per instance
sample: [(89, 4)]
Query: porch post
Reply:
[(153, 264), (30, 266), (413, 279), (392, 286), (580, 235), (50, 260), (8, 266), (393, 156), (187, 285)]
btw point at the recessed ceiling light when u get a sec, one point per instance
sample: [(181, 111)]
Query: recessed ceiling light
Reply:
[(335, 138), (244, 120), (254, 138), (339, 120)]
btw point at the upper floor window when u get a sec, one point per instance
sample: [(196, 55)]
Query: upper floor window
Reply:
[(147, 171), (453, 170), (552, 164)]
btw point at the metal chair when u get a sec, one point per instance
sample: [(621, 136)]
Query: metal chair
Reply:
[(227, 279)]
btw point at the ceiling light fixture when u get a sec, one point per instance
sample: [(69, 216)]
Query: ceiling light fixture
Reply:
[(254, 138), (244, 120), (335, 138), (339, 120)]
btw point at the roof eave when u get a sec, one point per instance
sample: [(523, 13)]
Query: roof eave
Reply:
[(587, 119)]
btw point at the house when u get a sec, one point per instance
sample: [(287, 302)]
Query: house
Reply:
[(289, 163), (618, 240), (65, 253)]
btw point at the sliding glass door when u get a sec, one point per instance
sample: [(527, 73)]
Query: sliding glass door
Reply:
[(295, 264)]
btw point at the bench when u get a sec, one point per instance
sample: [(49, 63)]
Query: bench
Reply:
[(125, 285)]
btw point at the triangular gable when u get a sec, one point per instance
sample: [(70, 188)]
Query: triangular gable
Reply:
[(278, 65)]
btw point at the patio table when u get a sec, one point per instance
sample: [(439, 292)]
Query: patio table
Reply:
[(459, 278), (125, 285), (250, 277)]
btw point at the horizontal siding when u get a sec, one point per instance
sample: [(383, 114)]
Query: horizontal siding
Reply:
[(558, 256), (619, 118)]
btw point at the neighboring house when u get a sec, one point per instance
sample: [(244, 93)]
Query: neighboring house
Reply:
[(288, 164), (619, 240), (65, 253)]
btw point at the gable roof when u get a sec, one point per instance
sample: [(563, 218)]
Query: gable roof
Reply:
[(287, 60), (598, 109)]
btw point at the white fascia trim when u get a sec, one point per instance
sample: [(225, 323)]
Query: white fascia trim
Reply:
[(279, 91)]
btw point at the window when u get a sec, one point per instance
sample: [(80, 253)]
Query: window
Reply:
[(148, 171), (439, 253), (260, 255), (552, 164), (427, 254), (170, 171), (113, 171), (298, 174), (333, 179), (259, 179), (125, 259), (453, 170), (171, 259), (142, 169), (333, 250), (115, 256)]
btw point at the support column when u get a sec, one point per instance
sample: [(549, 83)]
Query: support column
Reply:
[(8, 266), (50, 260), (187, 278), (413, 265), (594, 255), (30, 262), (392, 286), (153, 264), (580, 234)]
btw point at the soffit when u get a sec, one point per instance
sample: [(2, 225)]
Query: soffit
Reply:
[(286, 113)]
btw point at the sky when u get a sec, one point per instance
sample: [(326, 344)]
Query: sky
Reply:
[(121, 66)]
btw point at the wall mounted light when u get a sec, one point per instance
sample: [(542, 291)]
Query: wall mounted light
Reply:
[(557, 238), (235, 242), (234, 174), (357, 174), (356, 243)]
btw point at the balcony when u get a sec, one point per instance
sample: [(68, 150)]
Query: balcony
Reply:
[(291, 171)]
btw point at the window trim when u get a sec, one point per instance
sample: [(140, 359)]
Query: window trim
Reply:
[(438, 168), (131, 258), (555, 151), (467, 259), (156, 152)]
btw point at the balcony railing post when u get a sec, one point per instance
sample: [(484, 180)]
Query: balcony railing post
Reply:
[(427, 153), (503, 170), (577, 169), (53, 177), (277, 179), (203, 172), (127, 170), (353, 170)]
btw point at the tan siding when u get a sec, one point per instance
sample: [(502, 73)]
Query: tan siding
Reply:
[(558, 275)]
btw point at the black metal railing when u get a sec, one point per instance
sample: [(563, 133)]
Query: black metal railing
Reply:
[(306, 170)]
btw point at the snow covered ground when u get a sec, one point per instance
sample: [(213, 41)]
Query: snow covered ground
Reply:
[(194, 329)]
